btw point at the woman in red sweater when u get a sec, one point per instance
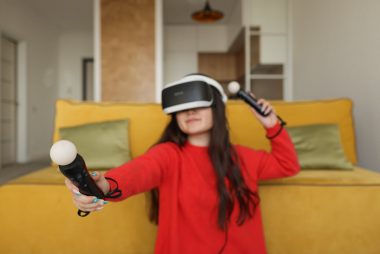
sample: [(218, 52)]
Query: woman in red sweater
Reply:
[(205, 189)]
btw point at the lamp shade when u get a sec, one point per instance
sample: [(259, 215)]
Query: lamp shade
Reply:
[(207, 15)]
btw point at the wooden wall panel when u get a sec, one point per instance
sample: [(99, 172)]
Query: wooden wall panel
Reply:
[(221, 66), (240, 65), (128, 50)]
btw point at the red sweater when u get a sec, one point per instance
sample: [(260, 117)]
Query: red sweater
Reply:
[(188, 194)]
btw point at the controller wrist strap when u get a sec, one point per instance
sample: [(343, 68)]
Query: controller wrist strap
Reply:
[(115, 193), (282, 124)]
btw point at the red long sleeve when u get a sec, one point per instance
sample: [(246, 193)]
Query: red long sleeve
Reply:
[(188, 194), (145, 172), (282, 161)]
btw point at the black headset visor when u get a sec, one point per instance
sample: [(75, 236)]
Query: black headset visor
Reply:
[(184, 96)]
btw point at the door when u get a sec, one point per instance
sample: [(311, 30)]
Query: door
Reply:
[(8, 95)]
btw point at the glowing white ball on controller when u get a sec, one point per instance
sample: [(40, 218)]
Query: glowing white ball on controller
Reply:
[(63, 152), (233, 87)]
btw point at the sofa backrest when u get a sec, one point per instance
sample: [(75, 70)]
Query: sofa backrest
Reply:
[(147, 121)]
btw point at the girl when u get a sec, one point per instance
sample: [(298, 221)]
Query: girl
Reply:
[(206, 189)]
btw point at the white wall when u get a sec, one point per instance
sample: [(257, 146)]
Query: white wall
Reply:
[(271, 16), (40, 38), (73, 47), (235, 22), (182, 44), (337, 54), (53, 68)]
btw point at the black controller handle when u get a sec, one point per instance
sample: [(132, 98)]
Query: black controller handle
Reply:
[(78, 174), (252, 102)]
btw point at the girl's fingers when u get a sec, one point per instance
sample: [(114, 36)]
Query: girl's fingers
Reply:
[(89, 207), (83, 202), (89, 204), (70, 185), (268, 109), (83, 199), (74, 190), (252, 94), (95, 175), (264, 105)]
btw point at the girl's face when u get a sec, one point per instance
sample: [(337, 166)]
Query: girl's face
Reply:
[(195, 121)]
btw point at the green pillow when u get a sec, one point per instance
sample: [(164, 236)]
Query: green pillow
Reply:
[(319, 146), (103, 145)]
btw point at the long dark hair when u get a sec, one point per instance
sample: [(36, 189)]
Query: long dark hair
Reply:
[(226, 165)]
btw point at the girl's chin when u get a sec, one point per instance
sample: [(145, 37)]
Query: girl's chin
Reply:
[(196, 132)]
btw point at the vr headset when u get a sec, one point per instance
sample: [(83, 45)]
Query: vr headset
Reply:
[(193, 91)]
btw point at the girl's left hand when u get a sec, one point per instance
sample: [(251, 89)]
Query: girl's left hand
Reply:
[(270, 120)]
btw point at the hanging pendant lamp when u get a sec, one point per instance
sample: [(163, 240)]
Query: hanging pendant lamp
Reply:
[(207, 15)]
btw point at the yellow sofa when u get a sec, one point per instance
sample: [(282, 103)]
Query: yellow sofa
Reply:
[(317, 211)]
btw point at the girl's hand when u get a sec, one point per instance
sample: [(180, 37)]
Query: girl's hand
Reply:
[(89, 203), (268, 121)]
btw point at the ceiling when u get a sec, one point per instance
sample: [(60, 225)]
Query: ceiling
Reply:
[(78, 14), (67, 14)]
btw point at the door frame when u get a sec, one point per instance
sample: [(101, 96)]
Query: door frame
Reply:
[(21, 93)]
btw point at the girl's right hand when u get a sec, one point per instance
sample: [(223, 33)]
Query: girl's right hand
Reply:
[(89, 203), (267, 121)]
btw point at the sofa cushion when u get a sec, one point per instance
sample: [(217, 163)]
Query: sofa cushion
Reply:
[(148, 120), (319, 146), (322, 177), (146, 124), (103, 145), (246, 130), (318, 177)]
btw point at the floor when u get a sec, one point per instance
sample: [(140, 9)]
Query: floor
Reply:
[(11, 172)]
